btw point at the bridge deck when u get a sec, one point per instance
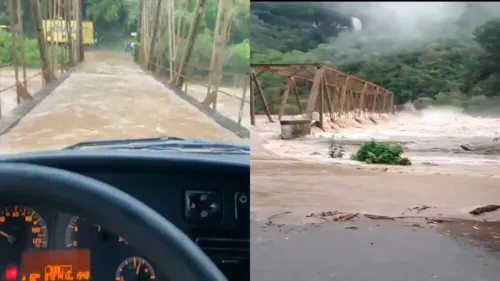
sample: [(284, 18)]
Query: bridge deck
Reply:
[(109, 97)]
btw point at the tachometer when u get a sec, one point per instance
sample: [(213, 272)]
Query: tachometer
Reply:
[(80, 233), (23, 226), (135, 269)]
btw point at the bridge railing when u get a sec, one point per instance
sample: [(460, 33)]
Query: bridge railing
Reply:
[(231, 98), (23, 76), (17, 86)]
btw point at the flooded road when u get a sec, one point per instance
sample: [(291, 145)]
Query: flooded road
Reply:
[(368, 251), (109, 97)]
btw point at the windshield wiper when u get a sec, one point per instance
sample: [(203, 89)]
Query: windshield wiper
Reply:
[(166, 143), (102, 143)]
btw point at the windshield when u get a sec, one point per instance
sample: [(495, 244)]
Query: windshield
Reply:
[(112, 78)]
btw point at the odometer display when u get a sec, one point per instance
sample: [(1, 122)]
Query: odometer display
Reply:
[(24, 227)]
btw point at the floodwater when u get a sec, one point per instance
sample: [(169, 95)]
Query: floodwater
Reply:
[(109, 97), (281, 185), (228, 103), (433, 141), (8, 97), (299, 176)]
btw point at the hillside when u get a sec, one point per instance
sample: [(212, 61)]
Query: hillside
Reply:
[(417, 52)]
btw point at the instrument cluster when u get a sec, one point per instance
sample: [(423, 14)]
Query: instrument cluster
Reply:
[(45, 245)]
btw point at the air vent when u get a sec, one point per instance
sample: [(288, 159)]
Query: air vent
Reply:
[(224, 248)]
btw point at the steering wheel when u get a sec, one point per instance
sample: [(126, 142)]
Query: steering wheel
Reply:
[(172, 252)]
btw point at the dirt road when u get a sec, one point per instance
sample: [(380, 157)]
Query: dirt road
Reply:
[(371, 251), (109, 97)]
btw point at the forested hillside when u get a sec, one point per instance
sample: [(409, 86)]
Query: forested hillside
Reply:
[(440, 54)]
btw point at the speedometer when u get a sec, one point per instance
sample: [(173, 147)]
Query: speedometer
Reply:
[(23, 226)]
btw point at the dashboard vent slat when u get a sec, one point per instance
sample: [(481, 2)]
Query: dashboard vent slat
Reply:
[(225, 248)]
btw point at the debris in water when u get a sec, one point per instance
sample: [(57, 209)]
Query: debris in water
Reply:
[(323, 214), (420, 208), (346, 217), (375, 217), (484, 209), (270, 219), (436, 220), (466, 148), (351, 228)]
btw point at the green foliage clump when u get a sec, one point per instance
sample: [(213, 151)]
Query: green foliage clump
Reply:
[(378, 153)]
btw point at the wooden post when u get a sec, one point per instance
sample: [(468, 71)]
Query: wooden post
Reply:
[(69, 32), (252, 102), (14, 29), (48, 75), (171, 53), (315, 89), (21, 35), (297, 96), (155, 31), (224, 39), (138, 37), (328, 97), (243, 100), (193, 33), (343, 94), (374, 101), (321, 102), (285, 97), (213, 58), (171, 30), (362, 98), (262, 98)]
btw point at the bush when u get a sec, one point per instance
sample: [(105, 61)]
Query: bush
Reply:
[(31, 55), (378, 153)]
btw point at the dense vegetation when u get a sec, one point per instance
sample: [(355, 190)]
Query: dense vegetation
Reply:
[(443, 59), (115, 20), (379, 153)]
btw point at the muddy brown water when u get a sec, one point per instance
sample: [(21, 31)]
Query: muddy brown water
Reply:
[(278, 185), (109, 97)]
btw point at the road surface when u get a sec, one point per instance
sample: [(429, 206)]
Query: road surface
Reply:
[(370, 251), (109, 97)]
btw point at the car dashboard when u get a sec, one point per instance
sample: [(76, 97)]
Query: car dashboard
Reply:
[(205, 196)]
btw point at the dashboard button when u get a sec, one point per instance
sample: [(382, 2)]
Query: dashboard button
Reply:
[(241, 207), (202, 206)]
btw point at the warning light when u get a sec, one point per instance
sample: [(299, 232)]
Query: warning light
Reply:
[(11, 273)]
